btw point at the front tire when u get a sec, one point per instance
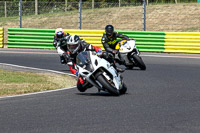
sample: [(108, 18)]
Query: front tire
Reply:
[(124, 89), (112, 90), (139, 62)]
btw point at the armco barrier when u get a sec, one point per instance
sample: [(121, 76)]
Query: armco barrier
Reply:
[(43, 38), (30, 38), (146, 41), (177, 42), (183, 42), (91, 36), (1, 37)]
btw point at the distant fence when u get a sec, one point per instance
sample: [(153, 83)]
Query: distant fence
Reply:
[(1, 37), (182, 17), (146, 41)]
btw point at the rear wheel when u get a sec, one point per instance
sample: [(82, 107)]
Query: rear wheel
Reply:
[(139, 62), (105, 83)]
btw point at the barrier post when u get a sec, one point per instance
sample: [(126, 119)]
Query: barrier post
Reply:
[(80, 12), (144, 15), (5, 10), (36, 7), (1, 37), (20, 14)]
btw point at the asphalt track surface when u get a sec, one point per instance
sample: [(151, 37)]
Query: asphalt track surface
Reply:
[(163, 99)]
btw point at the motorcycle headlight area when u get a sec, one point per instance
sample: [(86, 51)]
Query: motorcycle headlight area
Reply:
[(87, 67)]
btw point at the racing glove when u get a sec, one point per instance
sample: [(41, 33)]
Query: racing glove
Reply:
[(77, 73), (55, 44), (115, 51), (99, 53)]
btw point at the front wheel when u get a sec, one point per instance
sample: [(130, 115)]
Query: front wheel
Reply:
[(123, 89), (139, 62), (103, 81)]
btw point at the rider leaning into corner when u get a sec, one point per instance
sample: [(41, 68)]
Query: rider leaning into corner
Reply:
[(109, 41), (76, 45), (60, 40)]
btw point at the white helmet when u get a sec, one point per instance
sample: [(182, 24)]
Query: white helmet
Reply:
[(73, 43)]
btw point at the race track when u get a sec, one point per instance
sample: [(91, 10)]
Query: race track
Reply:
[(163, 99)]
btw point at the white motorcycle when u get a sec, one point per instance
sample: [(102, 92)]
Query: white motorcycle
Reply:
[(100, 73), (129, 55)]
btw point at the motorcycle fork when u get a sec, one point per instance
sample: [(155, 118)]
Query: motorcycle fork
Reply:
[(121, 60)]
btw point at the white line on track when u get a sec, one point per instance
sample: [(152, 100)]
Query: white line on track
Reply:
[(27, 52), (172, 56), (46, 70)]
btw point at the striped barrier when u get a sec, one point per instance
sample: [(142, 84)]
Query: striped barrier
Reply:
[(154, 41), (1, 37), (30, 38), (91, 36), (146, 41), (182, 42), (43, 38)]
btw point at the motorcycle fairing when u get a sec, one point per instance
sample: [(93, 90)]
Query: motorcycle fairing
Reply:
[(85, 63)]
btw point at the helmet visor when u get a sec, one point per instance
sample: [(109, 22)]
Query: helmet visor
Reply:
[(109, 32), (73, 48), (109, 36), (59, 35)]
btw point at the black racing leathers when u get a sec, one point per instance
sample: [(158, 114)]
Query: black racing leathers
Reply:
[(62, 43), (109, 43)]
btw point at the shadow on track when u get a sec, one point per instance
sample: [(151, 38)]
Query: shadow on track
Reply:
[(104, 94)]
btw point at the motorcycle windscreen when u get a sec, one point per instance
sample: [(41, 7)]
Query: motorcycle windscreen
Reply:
[(83, 60)]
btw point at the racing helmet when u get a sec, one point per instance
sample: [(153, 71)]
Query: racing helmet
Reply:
[(59, 34), (73, 43), (109, 29)]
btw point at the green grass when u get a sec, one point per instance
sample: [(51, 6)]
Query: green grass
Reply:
[(14, 82)]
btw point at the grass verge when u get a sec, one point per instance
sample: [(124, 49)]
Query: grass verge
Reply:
[(14, 82)]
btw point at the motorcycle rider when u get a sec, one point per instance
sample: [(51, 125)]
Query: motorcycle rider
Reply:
[(109, 41), (75, 45), (59, 43)]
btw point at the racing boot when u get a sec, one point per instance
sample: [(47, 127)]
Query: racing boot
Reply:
[(80, 86), (118, 69), (83, 85)]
